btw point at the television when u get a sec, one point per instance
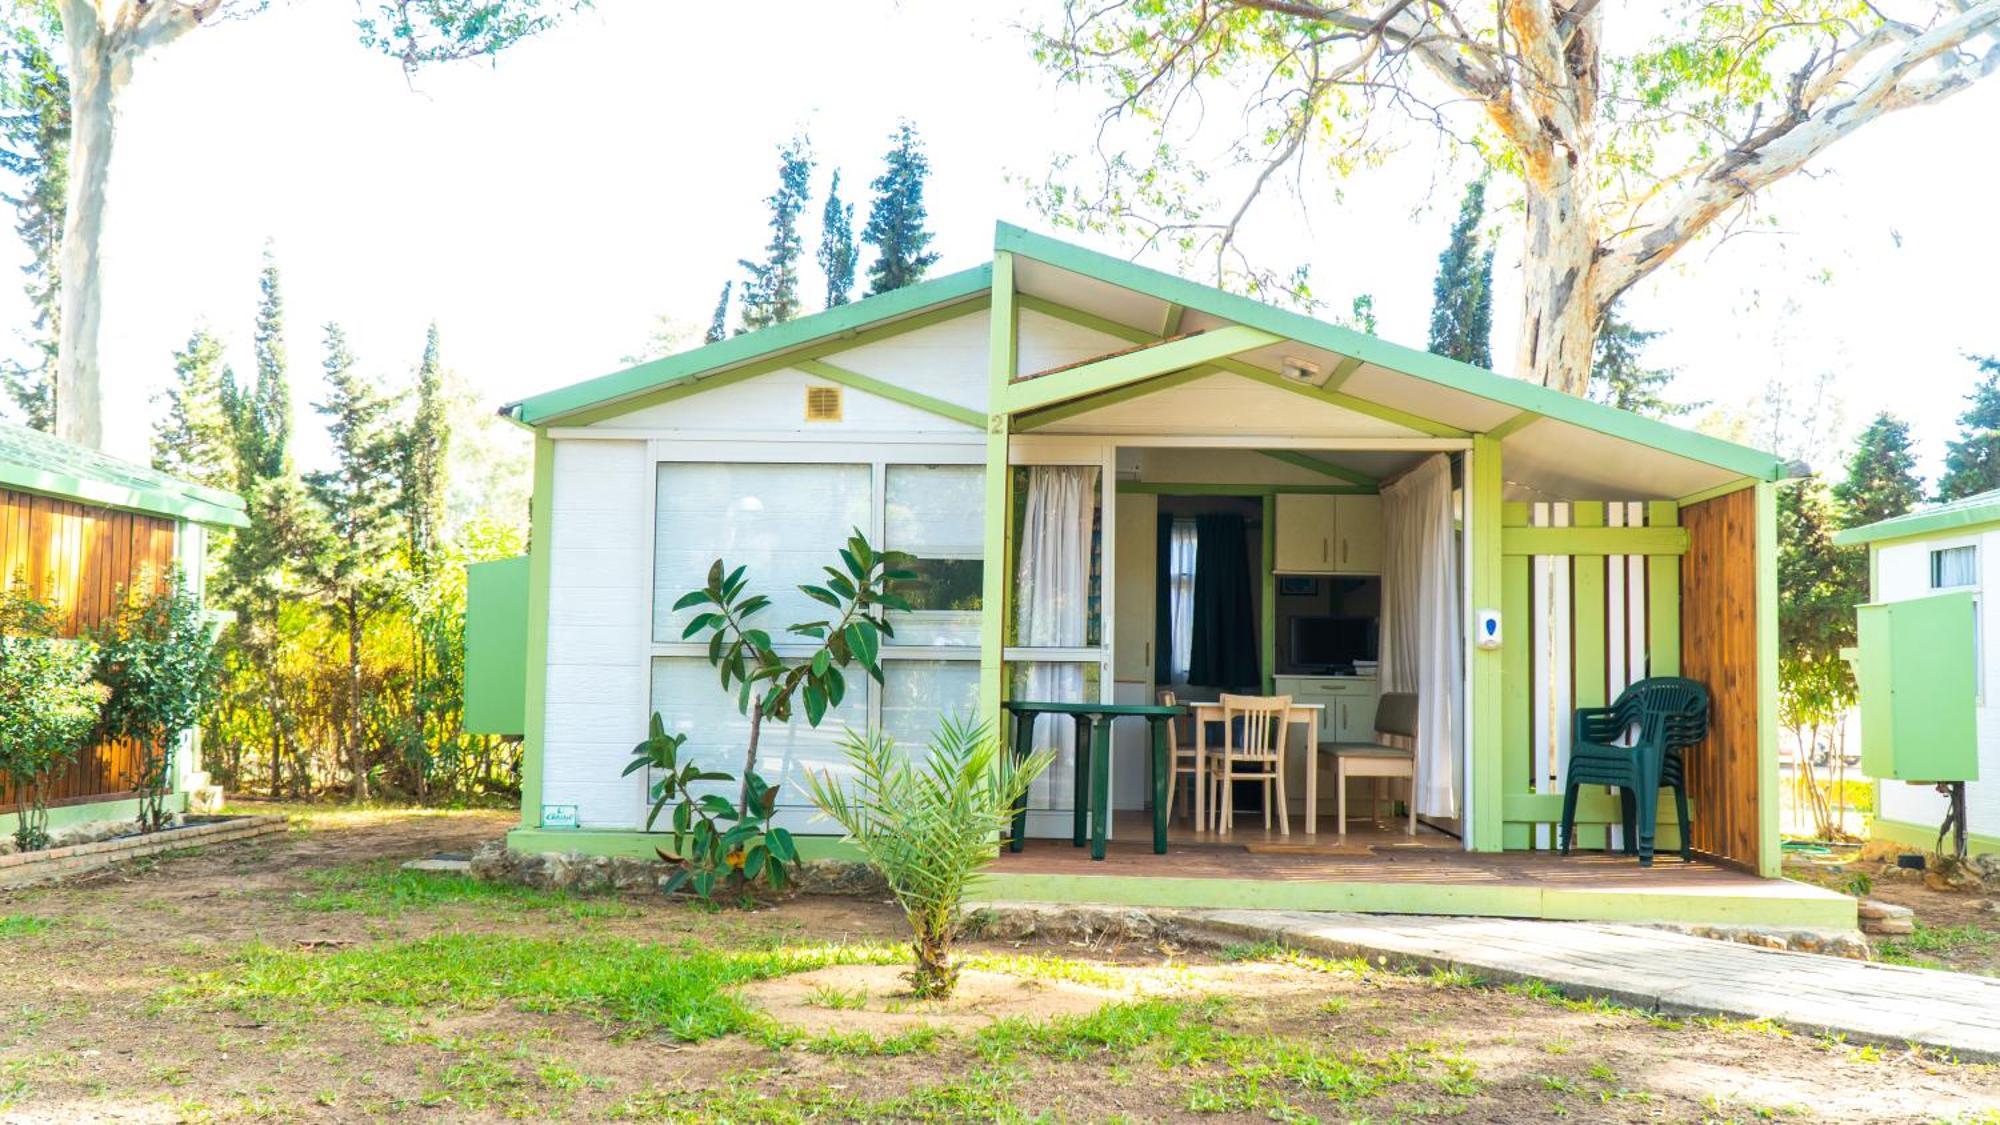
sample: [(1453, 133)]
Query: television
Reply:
[(1330, 641)]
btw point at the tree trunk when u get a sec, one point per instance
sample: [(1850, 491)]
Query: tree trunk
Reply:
[(356, 755), (1558, 317), (105, 38)]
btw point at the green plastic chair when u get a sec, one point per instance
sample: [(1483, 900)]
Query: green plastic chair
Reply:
[(1669, 714)]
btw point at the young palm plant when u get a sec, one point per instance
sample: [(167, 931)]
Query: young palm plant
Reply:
[(929, 827)]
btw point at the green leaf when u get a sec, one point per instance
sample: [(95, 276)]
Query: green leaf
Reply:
[(821, 661), (822, 595), (854, 566), (753, 863), (691, 599), (676, 881), (733, 585), (758, 639), (782, 845), (815, 703), (699, 622)]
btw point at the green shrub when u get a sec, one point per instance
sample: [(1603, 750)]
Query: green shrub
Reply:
[(48, 706), (158, 659), (929, 828)]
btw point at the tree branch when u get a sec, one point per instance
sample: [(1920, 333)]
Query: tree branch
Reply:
[(1809, 127)]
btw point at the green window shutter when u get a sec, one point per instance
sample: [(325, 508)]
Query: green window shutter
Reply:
[(1918, 673), (496, 646)]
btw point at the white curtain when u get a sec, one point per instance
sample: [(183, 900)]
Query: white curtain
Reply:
[(1180, 573), (1420, 618), (1053, 595)]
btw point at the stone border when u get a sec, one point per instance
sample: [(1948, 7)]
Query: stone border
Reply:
[(25, 869)]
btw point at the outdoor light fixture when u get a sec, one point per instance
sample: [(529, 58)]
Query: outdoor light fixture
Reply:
[(1302, 371)]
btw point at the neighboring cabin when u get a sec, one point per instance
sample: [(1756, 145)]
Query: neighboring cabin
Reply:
[(1926, 658), (78, 526)]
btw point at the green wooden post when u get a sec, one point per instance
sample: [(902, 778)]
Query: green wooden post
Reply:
[(1588, 642), (1002, 342), (1517, 707), (534, 694), (1488, 738), (1769, 850)]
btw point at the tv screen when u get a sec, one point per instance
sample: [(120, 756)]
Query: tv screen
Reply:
[(1322, 642)]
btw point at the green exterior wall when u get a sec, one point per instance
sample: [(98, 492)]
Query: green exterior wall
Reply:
[(1924, 837), (496, 646)]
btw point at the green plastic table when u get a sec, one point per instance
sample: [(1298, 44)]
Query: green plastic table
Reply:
[(1093, 764)]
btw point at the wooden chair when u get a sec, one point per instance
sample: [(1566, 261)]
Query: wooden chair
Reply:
[(1395, 714), (1253, 749), (1181, 758)]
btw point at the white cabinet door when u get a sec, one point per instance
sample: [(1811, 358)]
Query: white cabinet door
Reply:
[(1138, 575), (1305, 534), (1357, 526)]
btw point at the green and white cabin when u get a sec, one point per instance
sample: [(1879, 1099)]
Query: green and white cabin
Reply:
[(1924, 662), (1073, 399)]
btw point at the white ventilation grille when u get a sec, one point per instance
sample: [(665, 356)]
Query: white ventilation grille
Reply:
[(822, 404)]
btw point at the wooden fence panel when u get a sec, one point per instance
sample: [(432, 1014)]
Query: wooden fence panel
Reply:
[(1589, 625), (1719, 648), (79, 557)]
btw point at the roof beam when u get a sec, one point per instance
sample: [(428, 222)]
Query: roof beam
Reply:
[(1170, 324), (832, 374), (1324, 468), (1063, 384), (1343, 371), (1514, 425), (1041, 419)]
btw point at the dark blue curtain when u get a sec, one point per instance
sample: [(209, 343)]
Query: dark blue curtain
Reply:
[(1225, 619)]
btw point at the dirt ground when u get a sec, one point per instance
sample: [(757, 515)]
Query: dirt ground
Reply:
[(301, 977), (1958, 930)]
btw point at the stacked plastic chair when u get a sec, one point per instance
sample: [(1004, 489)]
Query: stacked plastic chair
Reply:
[(1668, 714)]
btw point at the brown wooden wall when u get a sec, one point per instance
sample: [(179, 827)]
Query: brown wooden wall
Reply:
[(77, 557), (1719, 648)]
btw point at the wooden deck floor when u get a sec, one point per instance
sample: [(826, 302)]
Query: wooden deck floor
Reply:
[(1387, 871)]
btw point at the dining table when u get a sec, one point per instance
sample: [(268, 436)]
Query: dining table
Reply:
[(1210, 711), (1092, 766)]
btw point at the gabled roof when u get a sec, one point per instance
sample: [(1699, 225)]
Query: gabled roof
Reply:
[(36, 462), (1371, 350), (1470, 399), (1953, 515), (691, 365)]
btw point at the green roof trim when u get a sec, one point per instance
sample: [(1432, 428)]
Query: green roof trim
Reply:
[(1955, 515), (1408, 361), (551, 406), (32, 461)]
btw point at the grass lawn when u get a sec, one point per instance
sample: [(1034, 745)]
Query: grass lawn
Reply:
[(305, 977)]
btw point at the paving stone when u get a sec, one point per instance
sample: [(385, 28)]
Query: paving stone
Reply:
[(1662, 970)]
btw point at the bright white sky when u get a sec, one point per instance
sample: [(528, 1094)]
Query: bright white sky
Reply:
[(547, 209)]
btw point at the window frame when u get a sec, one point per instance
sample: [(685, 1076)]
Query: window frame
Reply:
[(876, 454), (1932, 555)]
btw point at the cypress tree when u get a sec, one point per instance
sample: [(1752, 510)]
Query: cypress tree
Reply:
[(718, 325), (836, 246), (1881, 480), (360, 498), (1462, 295), (34, 148), (771, 291), (896, 217), (425, 449), (1620, 377), (195, 439), (1972, 462), (264, 415)]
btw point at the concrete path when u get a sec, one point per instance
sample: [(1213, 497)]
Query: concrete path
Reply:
[(1672, 973)]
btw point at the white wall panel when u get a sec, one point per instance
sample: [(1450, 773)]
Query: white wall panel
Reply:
[(599, 599), (946, 361)]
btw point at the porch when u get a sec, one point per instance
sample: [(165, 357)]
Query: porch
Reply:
[(1380, 870)]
